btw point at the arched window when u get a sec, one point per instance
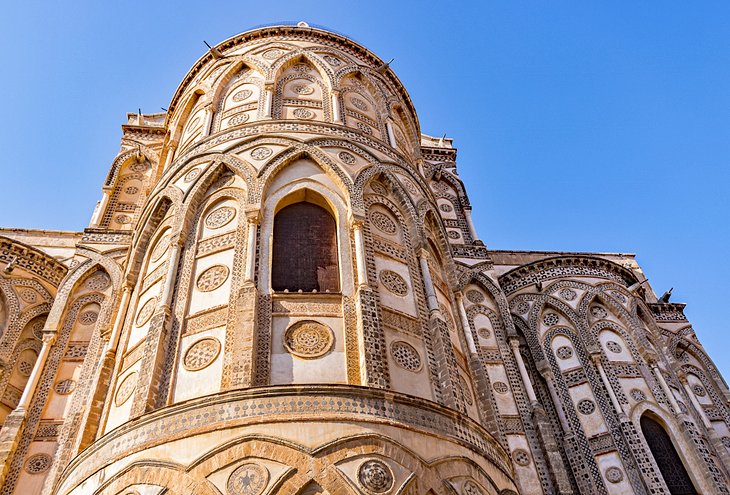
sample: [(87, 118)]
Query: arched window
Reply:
[(305, 250), (666, 457)]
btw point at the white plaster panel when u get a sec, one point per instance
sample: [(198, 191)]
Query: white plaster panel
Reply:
[(527, 475), (564, 364), (287, 368), (189, 384), (610, 460), (593, 424), (505, 402), (403, 380), (607, 336), (120, 414), (200, 300), (482, 322), (406, 303)]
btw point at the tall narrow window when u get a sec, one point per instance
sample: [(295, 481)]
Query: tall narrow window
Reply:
[(666, 457), (305, 250)]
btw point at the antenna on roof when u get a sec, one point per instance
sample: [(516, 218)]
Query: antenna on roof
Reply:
[(213, 51), (385, 66), (163, 109)]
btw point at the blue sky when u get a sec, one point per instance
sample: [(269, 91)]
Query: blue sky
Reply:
[(581, 126)]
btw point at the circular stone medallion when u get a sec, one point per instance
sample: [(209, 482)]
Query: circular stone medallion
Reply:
[(393, 282), (564, 352), (38, 463), (191, 176), (303, 113), (500, 387), (145, 313), (261, 153), (308, 339), (614, 347), (126, 389), (521, 457), (375, 476), (637, 395), (614, 475), (272, 54), (586, 406), (405, 355), (242, 95), (471, 488), (201, 354), (383, 222), (64, 387), (359, 104), (241, 118), (347, 158), (88, 317), (98, 281), (220, 217), (474, 296), (568, 294), (248, 479), (212, 278), (161, 247), (598, 312), (550, 319)]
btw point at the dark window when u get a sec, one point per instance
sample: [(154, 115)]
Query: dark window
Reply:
[(666, 457), (305, 250)]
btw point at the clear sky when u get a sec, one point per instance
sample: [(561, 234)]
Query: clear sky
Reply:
[(581, 126)]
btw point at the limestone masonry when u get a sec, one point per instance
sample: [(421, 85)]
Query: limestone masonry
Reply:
[(281, 291)]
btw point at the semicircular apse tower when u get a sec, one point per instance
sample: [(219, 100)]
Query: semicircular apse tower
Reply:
[(282, 292)]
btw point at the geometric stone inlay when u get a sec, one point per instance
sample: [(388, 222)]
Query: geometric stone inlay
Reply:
[(261, 153), (346, 157), (303, 113), (359, 104), (201, 354), (699, 390), (568, 294), (405, 356), (212, 278), (393, 282), (191, 175), (598, 312), (308, 339), (248, 479), (375, 476)]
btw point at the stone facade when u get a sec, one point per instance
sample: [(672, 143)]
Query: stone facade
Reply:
[(149, 354)]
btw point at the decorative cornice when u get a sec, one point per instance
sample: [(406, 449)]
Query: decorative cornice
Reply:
[(562, 267), (668, 311), (32, 260)]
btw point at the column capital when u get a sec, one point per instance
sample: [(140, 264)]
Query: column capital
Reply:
[(253, 216), (596, 358)]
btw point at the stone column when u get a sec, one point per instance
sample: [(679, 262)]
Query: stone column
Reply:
[(665, 388), (49, 337), (695, 403), (470, 224), (547, 374), (431, 299), (465, 324), (514, 343), (611, 393), (155, 346), (208, 120), (99, 212), (362, 273), (391, 135), (268, 99), (253, 222), (336, 117)]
